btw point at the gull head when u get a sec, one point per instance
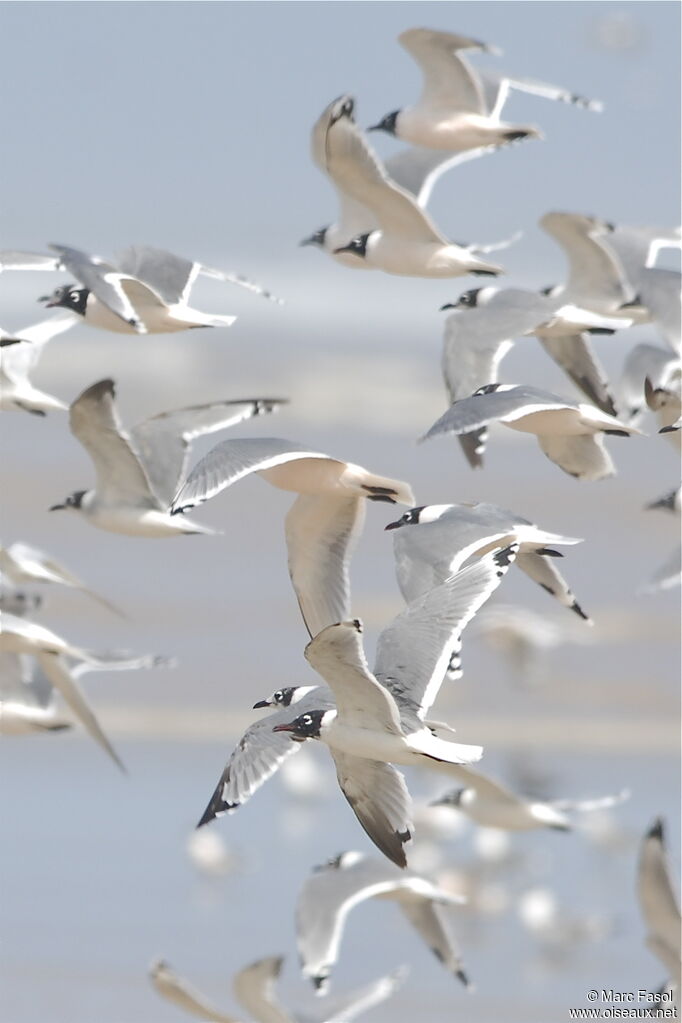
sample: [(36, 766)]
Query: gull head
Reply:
[(317, 238), (67, 297), (74, 501), (284, 697), (471, 299), (357, 246), (306, 726), (387, 123), (420, 516)]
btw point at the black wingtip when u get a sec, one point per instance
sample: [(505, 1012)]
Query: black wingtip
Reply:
[(657, 830), (575, 606), (504, 557)]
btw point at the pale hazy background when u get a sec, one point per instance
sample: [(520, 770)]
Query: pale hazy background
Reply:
[(187, 126)]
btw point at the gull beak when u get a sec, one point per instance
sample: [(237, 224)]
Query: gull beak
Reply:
[(261, 704), (393, 525), (57, 507), (47, 299), (310, 240), (449, 305), (284, 728), (344, 248)]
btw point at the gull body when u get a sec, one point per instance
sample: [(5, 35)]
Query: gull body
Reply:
[(380, 718), (452, 113), (137, 474), (432, 542), (330, 893), (568, 432), (23, 563), (322, 525), (407, 242), (18, 359), (658, 903)]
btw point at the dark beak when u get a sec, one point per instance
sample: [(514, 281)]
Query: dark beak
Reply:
[(57, 507), (260, 704), (344, 248), (46, 298), (393, 525), (449, 305), (311, 240), (285, 728), (374, 127)]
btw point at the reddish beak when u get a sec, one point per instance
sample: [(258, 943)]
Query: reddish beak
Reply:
[(393, 525), (284, 728)]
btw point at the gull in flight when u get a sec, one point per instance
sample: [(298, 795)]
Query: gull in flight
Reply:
[(145, 291), (19, 354), (493, 805), (137, 474), (24, 564), (19, 636), (380, 718), (482, 331), (27, 699), (321, 526), (659, 904), (669, 573), (652, 377), (254, 988), (413, 169), (447, 535), (333, 889), (460, 106), (569, 433), (406, 241)]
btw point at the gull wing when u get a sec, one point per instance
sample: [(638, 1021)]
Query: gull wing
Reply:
[(337, 655), (57, 672), (32, 564), (448, 81), (326, 898), (504, 405), (595, 272), (414, 650), (542, 570), (12, 259), (321, 533), (254, 989), (21, 682), (103, 280), (163, 442), (170, 277), (659, 292), (417, 169), (642, 362), (120, 476), (657, 900), (431, 922), (577, 359), (357, 171), (638, 247), (175, 989), (230, 461), (345, 1007), (258, 755), (497, 86), (18, 360), (380, 800), (583, 456)]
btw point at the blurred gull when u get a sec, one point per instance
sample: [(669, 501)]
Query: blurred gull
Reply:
[(460, 107), (380, 718), (322, 525), (647, 362), (19, 353), (329, 894), (254, 988), (22, 563), (138, 474), (658, 903), (407, 241), (568, 432), (670, 572)]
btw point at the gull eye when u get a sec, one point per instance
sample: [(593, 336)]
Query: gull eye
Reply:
[(306, 720), (278, 696)]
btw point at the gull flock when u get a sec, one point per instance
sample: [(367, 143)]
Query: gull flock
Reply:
[(449, 558)]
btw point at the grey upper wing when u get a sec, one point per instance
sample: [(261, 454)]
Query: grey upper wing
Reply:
[(163, 442), (496, 88), (229, 461), (380, 800), (449, 82), (659, 291), (12, 259), (321, 533), (171, 277), (94, 422), (502, 405), (103, 280), (345, 1007), (595, 271), (258, 755), (575, 356), (542, 571), (417, 169), (414, 650), (254, 989)]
